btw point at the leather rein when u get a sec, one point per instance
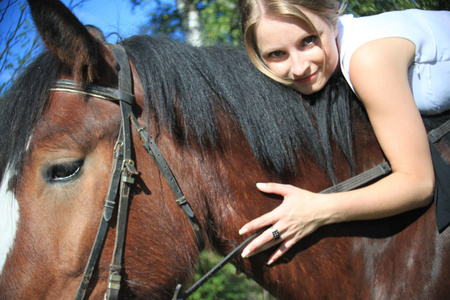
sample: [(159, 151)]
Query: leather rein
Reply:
[(122, 179)]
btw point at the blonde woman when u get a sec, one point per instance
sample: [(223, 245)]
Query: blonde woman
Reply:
[(398, 64)]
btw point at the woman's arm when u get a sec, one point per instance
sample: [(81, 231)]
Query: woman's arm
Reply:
[(378, 71)]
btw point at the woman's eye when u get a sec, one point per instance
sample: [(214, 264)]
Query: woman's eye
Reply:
[(63, 172), (276, 54), (310, 40)]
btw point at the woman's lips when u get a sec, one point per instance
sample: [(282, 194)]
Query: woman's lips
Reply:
[(307, 78)]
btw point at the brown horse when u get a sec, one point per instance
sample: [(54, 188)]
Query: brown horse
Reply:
[(221, 127)]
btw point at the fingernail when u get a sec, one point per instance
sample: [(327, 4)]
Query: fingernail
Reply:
[(245, 253), (260, 185), (270, 262), (243, 231)]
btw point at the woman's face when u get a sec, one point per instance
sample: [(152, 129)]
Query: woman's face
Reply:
[(295, 52)]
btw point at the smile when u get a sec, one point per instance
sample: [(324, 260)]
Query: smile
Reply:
[(307, 78)]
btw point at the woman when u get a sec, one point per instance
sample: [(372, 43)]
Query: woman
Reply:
[(390, 61)]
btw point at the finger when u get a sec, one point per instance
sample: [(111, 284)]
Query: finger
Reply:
[(277, 254), (254, 225), (274, 188), (264, 241), (284, 247)]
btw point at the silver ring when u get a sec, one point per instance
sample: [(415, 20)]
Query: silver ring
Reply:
[(276, 235)]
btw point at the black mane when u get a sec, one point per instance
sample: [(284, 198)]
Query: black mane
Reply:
[(277, 121), (22, 107)]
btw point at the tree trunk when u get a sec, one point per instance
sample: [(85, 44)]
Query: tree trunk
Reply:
[(190, 20)]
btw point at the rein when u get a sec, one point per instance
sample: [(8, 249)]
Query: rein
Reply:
[(123, 170)]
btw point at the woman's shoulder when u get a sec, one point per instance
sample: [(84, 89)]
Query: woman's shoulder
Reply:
[(425, 29), (404, 23)]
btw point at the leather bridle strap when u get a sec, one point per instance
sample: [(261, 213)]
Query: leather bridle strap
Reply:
[(122, 171), (106, 216), (128, 170), (105, 93), (121, 174), (153, 151)]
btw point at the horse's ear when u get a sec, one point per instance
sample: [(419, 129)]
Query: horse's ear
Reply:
[(96, 32), (65, 36)]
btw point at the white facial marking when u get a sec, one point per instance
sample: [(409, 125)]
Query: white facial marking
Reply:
[(9, 216)]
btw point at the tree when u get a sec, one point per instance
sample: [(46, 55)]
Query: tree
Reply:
[(370, 7), (433, 4), (20, 42), (190, 21), (218, 21), (226, 284)]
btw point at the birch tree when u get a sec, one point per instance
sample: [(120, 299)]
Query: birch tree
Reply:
[(19, 39), (197, 22), (190, 21)]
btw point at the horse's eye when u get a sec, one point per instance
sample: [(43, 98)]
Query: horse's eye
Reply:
[(63, 172)]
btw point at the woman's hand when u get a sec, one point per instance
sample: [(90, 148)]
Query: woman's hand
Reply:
[(300, 214)]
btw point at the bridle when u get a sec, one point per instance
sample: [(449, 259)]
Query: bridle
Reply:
[(121, 180), (122, 173), (123, 170)]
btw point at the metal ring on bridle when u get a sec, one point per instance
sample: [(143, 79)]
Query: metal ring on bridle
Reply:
[(276, 234)]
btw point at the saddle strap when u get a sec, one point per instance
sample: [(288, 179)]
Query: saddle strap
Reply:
[(361, 179), (355, 182), (384, 168), (437, 134)]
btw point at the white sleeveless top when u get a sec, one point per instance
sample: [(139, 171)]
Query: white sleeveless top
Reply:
[(429, 75)]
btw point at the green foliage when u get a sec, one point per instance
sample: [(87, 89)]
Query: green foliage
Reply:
[(220, 20), (369, 7), (164, 19), (226, 284), (434, 4)]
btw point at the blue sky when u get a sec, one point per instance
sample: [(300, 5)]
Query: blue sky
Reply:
[(109, 15), (112, 16)]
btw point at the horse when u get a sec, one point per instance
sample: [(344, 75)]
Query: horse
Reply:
[(221, 126)]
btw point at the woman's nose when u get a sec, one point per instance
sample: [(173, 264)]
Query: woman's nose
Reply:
[(299, 65)]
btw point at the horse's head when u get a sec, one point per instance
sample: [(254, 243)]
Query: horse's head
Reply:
[(56, 168)]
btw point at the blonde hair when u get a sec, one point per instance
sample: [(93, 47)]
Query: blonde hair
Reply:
[(251, 12)]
